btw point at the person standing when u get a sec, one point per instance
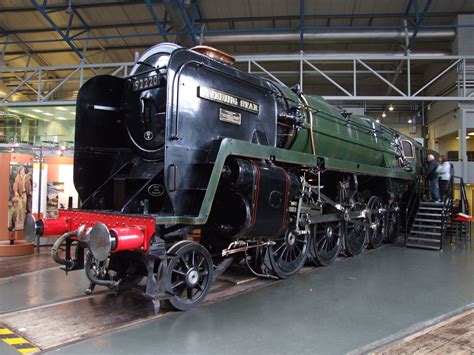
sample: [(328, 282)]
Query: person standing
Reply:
[(444, 173), (432, 177)]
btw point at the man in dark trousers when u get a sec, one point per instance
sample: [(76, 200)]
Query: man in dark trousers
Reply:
[(432, 177)]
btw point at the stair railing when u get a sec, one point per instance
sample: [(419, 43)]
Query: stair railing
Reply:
[(463, 201), (412, 205)]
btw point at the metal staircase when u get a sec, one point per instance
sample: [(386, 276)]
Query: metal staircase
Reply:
[(428, 228), (426, 223)]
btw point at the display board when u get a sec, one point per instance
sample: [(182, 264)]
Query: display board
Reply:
[(21, 194)]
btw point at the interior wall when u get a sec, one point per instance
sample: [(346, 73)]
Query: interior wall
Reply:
[(60, 169), (452, 144), (56, 131)]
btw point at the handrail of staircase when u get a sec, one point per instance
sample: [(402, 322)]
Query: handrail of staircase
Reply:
[(414, 197), (464, 203), (447, 212)]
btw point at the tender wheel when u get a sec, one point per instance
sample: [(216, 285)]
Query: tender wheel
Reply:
[(377, 221), (189, 274), (288, 255), (392, 226), (326, 241)]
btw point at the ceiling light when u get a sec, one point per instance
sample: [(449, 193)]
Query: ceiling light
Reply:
[(390, 108), (377, 120), (72, 113), (61, 108), (384, 114), (61, 118), (36, 110), (467, 137), (47, 114), (470, 134), (410, 121), (457, 137)]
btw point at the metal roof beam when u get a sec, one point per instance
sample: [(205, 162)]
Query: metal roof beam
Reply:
[(301, 26), (187, 20), (80, 28), (419, 19), (77, 6), (161, 28), (65, 36), (329, 16)]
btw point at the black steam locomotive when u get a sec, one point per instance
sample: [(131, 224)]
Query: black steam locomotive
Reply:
[(189, 165)]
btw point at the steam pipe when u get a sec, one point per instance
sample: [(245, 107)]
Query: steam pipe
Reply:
[(331, 36), (55, 248)]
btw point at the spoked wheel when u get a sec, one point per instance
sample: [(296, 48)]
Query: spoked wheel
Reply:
[(355, 231), (392, 226), (377, 222), (355, 238), (325, 244), (189, 274), (288, 255)]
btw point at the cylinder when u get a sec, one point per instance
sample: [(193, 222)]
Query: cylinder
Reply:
[(127, 238)]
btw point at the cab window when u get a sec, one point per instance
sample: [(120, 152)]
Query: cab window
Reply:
[(407, 147)]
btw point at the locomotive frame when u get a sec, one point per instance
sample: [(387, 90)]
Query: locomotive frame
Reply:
[(261, 193)]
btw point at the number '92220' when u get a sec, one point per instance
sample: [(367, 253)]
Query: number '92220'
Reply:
[(144, 83)]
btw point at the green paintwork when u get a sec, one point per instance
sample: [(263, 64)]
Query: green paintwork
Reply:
[(235, 147), (358, 139)]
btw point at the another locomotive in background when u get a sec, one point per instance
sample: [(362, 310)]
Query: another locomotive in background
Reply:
[(270, 177)]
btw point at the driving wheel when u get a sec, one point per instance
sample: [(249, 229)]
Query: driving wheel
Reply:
[(325, 243), (288, 255), (377, 222)]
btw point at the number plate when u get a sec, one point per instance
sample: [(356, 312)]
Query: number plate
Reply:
[(146, 82)]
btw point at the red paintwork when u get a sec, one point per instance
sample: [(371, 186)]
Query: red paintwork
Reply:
[(114, 221), (55, 226), (128, 238)]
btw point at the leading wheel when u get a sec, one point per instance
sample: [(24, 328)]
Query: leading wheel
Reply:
[(376, 216), (189, 274), (288, 254), (325, 243)]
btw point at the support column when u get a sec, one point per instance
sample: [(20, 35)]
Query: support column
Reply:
[(463, 145)]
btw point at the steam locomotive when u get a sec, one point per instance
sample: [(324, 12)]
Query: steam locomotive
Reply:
[(189, 165)]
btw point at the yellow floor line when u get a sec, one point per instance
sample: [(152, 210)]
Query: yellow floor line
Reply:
[(16, 342), (28, 350)]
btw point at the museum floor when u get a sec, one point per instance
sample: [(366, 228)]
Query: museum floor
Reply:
[(356, 305)]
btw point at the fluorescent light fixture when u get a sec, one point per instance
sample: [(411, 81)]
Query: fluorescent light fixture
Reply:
[(36, 110), (384, 114), (61, 108), (469, 134), (390, 108), (61, 118), (410, 121), (467, 137), (72, 113), (47, 114)]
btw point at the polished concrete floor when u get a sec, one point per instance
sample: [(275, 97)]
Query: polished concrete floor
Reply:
[(359, 301)]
